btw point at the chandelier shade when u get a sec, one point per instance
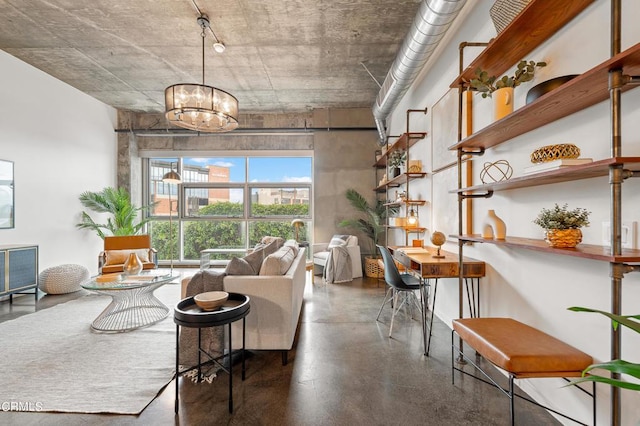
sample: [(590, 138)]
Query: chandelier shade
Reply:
[(198, 106)]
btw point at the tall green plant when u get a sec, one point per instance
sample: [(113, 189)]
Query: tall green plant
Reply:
[(617, 365), (117, 202), (372, 222)]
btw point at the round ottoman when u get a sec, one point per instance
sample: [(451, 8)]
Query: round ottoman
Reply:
[(62, 279)]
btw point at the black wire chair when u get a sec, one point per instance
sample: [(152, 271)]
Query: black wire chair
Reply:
[(404, 285)]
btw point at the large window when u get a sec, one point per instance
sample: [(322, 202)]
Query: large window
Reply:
[(225, 205)]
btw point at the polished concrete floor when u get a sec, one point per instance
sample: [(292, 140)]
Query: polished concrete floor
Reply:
[(343, 370)]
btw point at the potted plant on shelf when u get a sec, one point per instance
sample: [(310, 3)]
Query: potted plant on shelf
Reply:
[(503, 87), (397, 159), (371, 223), (562, 226)]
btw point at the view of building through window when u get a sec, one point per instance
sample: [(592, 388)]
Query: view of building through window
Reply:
[(226, 205)]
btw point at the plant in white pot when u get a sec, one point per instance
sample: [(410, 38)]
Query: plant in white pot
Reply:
[(503, 86), (562, 226)]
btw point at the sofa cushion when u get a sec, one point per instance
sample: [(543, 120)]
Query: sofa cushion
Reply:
[(118, 257), (240, 266), (278, 263)]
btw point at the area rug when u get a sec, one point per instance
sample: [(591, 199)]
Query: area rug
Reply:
[(52, 361)]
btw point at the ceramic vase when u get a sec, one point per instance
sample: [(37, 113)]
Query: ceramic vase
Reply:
[(563, 238), (493, 227), (502, 102), (133, 265)]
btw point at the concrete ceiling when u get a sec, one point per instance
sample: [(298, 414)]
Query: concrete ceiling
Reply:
[(281, 56)]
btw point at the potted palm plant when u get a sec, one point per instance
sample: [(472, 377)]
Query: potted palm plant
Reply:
[(117, 202), (371, 223)]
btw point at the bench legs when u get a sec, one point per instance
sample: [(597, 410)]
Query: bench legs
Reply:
[(510, 392)]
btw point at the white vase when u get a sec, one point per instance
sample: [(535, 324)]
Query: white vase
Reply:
[(133, 265), (493, 227)]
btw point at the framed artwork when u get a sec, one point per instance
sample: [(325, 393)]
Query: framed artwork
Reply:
[(444, 130), (444, 127), (7, 196), (445, 203)]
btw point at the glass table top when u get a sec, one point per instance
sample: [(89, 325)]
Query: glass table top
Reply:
[(120, 281)]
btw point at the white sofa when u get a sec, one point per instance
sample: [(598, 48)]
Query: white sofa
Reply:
[(276, 302), (321, 253)]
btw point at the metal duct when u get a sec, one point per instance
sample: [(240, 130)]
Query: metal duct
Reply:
[(429, 26)]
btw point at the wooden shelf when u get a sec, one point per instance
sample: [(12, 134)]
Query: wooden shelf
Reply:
[(413, 229), (538, 21), (584, 171), (405, 141), (399, 180), (586, 251), (407, 202), (586, 90)]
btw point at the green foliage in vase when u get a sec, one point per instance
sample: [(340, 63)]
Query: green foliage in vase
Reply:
[(397, 159), (617, 365), (486, 84), (117, 202), (373, 220), (562, 218)]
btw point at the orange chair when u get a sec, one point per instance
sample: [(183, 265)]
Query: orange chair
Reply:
[(117, 250)]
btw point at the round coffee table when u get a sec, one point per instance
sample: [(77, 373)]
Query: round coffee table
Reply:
[(188, 314), (133, 304)]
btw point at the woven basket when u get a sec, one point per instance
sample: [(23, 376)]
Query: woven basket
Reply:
[(372, 269), (563, 238), (503, 11), (555, 152)]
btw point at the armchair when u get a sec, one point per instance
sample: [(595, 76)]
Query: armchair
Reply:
[(321, 252), (117, 250)]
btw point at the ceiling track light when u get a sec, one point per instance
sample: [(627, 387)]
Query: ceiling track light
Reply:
[(198, 106)]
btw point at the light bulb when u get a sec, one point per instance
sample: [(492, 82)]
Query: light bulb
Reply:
[(219, 47), (412, 219)]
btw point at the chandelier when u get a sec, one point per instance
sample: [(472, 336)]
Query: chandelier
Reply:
[(198, 106)]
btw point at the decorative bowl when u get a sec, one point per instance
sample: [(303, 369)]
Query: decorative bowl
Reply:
[(546, 86), (211, 300)]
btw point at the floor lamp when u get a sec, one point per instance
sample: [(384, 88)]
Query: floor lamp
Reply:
[(171, 177)]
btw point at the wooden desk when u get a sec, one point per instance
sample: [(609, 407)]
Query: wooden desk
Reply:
[(421, 261)]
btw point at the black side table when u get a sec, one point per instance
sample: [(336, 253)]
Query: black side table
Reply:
[(188, 314)]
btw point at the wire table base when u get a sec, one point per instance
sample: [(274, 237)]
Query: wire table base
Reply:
[(130, 308)]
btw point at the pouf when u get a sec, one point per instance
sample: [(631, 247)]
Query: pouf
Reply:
[(62, 279)]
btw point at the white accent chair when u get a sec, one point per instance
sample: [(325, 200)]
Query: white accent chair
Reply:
[(321, 252)]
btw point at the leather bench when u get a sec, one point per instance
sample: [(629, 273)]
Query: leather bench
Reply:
[(520, 350)]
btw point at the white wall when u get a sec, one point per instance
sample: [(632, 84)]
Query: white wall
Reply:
[(62, 143), (533, 287)]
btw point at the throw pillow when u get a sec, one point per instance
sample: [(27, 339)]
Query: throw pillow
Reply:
[(294, 246), (338, 241), (258, 255), (239, 266), (118, 257), (278, 263)]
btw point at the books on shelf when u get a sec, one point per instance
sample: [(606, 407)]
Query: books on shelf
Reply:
[(556, 164)]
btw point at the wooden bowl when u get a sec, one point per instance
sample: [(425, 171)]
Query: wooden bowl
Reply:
[(211, 300)]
